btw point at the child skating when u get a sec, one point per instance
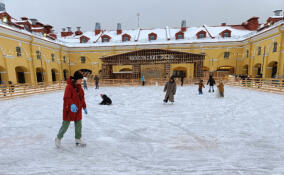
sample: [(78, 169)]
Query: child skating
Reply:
[(200, 87), (221, 88), (211, 83), (74, 102)]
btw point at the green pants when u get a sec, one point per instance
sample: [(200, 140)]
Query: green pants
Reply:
[(65, 125)]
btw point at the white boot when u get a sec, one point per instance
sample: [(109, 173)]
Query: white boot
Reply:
[(80, 142), (57, 142)]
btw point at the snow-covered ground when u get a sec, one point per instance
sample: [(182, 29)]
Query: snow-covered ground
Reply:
[(240, 134)]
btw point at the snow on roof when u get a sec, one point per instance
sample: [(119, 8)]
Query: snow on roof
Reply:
[(235, 33)]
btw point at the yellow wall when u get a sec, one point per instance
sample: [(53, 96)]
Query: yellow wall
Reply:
[(10, 63)]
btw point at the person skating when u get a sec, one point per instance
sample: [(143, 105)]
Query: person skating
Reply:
[(221, 88), (143, 80), (211, 83), (106, 100), (182, 79), (73, 103), (97, 81), (170, 89), (200, 86)]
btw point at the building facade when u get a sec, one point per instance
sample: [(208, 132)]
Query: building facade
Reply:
[(31, 52)]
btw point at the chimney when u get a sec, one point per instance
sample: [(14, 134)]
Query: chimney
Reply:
[(277, 13), (2, 7), (63, 30), (223, 24), (78, 32), (69, 29), (98, 28), (118, 30), (34, 21), (183, 25), (252, 23), (24, 18)]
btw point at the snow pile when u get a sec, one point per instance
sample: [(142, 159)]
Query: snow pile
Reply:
[(242, 133)]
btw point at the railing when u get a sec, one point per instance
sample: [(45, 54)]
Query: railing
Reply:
[(17, 90), (8, 91), (263, 84)]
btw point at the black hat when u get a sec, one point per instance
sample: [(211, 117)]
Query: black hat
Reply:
[(77, 75)]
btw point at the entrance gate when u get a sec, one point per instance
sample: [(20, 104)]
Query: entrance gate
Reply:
[(152, 57)]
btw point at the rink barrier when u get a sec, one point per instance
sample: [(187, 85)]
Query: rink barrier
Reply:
[(20, 90)]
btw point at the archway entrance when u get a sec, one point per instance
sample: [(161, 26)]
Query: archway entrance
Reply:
[(271, 70), (55, 75), (21, 74), (153, 57), (245, 70), (3, 75), (257, 71), (40, 75), (179, 72), (65, 74), (228, 69)]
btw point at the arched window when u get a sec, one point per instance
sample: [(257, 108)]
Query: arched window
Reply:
[(201, 34), (152, 36), (19, 51), (226, 33), (275, 47), (83, 59), (125, 37), (84, 39), (179, 35), (106, 38), (52, 57)]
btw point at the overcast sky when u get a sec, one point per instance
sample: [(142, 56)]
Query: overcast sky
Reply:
[(153, 13)]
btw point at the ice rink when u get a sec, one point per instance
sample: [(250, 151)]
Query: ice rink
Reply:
[(241, 134)]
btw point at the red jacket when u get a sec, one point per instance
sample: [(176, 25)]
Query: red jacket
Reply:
[(71, 96)]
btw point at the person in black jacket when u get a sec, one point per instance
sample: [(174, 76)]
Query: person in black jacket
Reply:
[(211, 83), (106, 100)]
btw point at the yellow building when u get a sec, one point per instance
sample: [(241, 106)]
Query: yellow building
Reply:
[(31, 52)]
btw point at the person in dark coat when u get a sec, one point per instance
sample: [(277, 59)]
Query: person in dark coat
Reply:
[(97, 81), (73, 103), (182, 79), (106, 100), (211, 83), (170, 89), (200, 86)]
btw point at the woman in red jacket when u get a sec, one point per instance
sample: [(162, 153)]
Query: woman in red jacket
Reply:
[(74, 102)]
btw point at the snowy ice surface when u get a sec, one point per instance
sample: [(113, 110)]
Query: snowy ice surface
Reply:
[(198, 134)]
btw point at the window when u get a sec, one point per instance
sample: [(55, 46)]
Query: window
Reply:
[(5, 19), (179, 36), (226, 54), (105, 39), (52, 57), (27, 28), (125, 38), (19, 51), (83, 59), (259, 51), (201, 35), (64, 59), (38, 55), (247, 53), (226, 34), (152, 37), (275, 47), (84, 40)]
